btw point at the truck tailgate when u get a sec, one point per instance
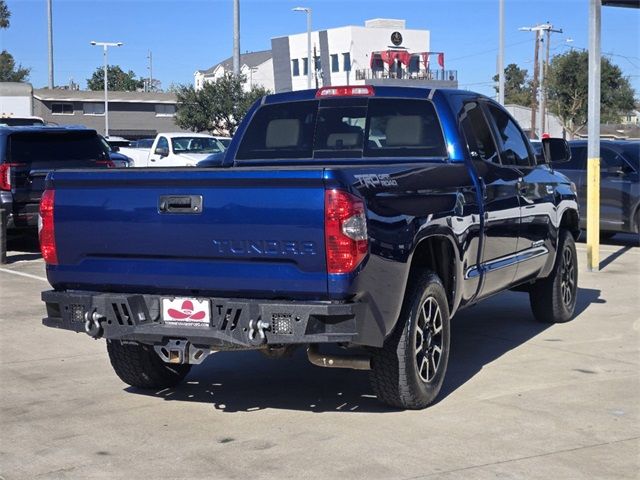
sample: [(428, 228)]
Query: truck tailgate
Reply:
[(257, 232)]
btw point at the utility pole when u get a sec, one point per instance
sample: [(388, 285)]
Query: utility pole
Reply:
[(501, 52), (534, 87), (548, 28), (536, 79), (150, 68), (236, 37), (50, 34)]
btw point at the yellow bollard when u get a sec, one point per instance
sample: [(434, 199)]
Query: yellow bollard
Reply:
[(593, 214)]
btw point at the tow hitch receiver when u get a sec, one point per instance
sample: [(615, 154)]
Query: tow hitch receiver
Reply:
[(182, 351)]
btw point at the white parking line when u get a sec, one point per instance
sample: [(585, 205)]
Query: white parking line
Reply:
[(28, 275)]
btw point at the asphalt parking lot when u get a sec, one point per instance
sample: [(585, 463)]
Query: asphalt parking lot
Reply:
[(521, 399)]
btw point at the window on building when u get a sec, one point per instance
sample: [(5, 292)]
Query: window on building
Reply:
[(377, 65), (414, 64), (165, 110), (93, 108), (305, 66), (335, 64), (346, 62), (295, 65), (62, 108)]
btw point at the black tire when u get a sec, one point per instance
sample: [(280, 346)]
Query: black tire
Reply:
[(553, 299), (140, 366), (399, 375)]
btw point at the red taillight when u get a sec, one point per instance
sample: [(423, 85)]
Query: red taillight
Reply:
[(345, 231), (5, 175), (47, 233), (351, 91)]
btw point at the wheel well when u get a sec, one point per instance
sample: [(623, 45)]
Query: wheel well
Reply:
[(571, 222), (436, 254)]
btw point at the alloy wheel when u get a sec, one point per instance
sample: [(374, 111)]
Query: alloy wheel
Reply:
[(428, 348), (568, 282)]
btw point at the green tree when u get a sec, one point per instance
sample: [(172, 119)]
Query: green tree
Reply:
[(218, 107), (517, 87), (117, 80), (5, 14), (9, 71), (568, 90)]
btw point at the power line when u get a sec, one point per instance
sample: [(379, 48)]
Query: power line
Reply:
[(485, 51)]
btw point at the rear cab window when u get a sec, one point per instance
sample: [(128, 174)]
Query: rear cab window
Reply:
[(44, 147), (344, 128)]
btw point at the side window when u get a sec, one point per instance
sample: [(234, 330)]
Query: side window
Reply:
[(610, 159), (162, 143), (514, 145), (477, 133), (578, 159)]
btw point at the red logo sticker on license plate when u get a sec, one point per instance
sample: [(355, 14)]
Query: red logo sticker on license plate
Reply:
[(185, 311)]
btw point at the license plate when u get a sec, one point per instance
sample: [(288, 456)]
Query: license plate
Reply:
[(186, 311)]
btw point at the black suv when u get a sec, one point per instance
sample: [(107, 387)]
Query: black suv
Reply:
[(28, 154)]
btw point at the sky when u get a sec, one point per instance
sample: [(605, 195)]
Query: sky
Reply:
[(188, 35)]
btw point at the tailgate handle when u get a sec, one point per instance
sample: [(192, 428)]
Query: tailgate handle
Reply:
[(180, 204)]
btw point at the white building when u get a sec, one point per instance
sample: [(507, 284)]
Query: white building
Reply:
[(383, 51), (553, 126), (257, 67)]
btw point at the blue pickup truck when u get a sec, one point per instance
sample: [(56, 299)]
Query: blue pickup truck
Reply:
[(363, 217)]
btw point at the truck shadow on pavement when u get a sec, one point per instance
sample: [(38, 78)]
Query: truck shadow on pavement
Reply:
[(23, 247), (247, 381)]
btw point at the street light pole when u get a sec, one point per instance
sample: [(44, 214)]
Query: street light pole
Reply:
[(50, 42), (501, 53), (105, 46), (307, 10), (236, 37)]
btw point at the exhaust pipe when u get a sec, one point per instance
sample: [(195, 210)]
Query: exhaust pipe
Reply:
[(354, 362)]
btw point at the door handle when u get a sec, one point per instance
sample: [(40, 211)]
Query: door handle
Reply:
[(180, 204)]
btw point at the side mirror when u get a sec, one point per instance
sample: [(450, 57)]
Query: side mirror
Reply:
[(556, 150), (162, 151), (115, 148)]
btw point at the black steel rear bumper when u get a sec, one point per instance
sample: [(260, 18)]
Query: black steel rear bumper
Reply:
[(233, 321)]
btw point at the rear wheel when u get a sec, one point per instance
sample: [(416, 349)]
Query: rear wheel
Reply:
[(408, 371), (140, 366), (553, 299)]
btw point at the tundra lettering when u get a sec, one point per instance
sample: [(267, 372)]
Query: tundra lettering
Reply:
[(264, 247)]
